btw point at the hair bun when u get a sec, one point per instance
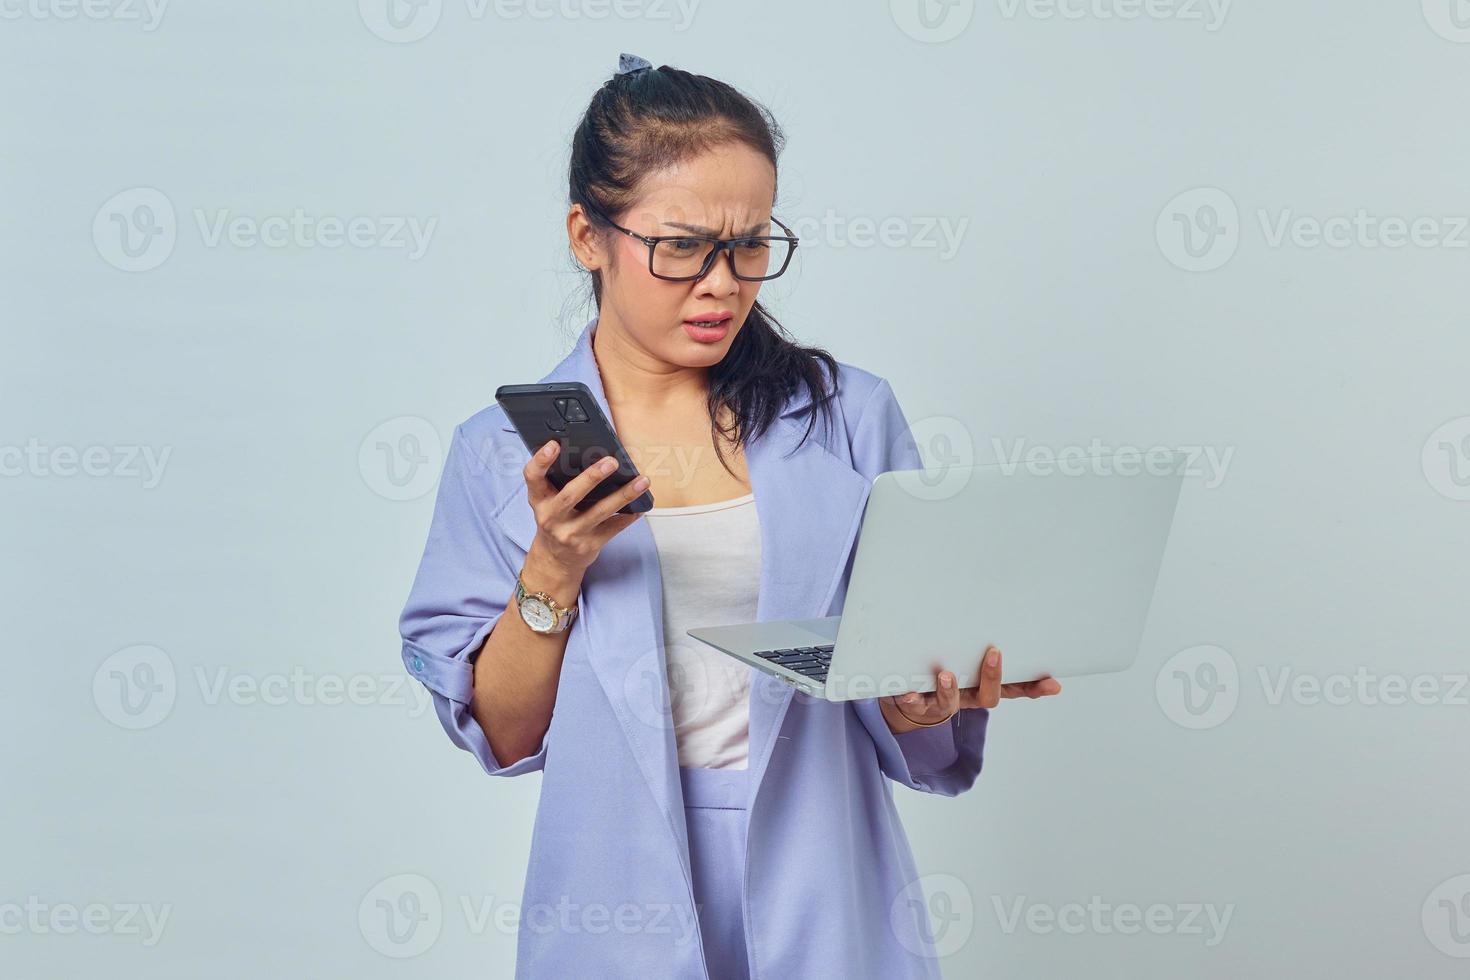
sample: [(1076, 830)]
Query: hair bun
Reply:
[(629, 63)]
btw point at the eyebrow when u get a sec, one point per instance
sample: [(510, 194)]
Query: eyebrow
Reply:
[(712, 232)]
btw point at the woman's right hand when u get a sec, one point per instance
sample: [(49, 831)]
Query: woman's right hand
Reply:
[(565, 536)]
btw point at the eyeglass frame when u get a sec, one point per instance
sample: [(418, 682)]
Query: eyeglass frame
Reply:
[(719, 245)]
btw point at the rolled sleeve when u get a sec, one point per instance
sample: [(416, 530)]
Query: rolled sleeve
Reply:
[(944, 760), (463, 584)]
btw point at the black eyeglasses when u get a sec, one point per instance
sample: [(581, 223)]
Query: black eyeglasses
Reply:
[(681, 258)]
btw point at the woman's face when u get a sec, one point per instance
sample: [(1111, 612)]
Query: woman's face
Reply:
[(725, 192)]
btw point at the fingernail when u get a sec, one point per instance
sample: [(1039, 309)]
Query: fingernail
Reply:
[(641, 483), (548, 449), (607, 465), (910, 698), (946, 680), (993, 657)]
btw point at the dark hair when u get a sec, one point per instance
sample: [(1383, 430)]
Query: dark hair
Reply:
[(643, 121)]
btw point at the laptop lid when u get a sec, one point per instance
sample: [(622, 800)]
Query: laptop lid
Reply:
[(1056, 565)]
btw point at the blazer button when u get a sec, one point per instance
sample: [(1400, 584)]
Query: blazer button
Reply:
[(418, 664)]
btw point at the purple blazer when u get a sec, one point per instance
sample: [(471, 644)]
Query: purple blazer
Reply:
[(830, 883)]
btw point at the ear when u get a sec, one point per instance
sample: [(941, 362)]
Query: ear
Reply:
[(585, 240)]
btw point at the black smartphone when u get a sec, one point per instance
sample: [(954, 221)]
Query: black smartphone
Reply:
[(568, 412)]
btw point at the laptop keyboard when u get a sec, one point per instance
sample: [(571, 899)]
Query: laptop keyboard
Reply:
[(808, 661)]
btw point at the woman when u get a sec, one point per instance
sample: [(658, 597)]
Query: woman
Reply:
[(697, 818)]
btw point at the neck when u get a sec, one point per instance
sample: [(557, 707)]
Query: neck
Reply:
[(633, 376)]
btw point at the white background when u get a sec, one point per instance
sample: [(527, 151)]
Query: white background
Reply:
[(1070, 152)]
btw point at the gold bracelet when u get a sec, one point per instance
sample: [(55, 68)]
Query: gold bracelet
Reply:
[(921, 724)]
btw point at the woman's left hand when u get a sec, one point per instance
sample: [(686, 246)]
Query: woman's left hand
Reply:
[(903, 711)]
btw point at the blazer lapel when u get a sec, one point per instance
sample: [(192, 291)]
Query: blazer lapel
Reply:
[(809, 504)]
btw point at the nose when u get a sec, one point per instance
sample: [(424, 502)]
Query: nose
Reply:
[(720, 279)]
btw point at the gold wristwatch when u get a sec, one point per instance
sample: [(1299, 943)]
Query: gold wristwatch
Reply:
[(541, 612)]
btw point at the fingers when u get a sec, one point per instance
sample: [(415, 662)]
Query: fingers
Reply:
[(987, 692), (1040, 688), (580, 485), (990, 690), (947, 693), (562, 504), (538, 487), (600, 514), (614, 526), (922, 708)]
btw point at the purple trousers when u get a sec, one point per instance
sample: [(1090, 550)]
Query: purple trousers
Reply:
[(716, 811)]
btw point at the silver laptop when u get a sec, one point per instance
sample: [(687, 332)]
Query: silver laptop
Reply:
[(1054, 565)]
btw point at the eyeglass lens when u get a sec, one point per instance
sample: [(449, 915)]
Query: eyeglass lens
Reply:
[(754, 258)]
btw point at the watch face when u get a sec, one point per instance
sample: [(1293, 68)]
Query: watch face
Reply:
[(538, 615)]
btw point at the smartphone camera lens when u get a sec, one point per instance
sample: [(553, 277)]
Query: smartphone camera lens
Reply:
[(571, 409)]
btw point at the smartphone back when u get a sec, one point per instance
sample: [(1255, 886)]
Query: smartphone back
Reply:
[(568, 412)]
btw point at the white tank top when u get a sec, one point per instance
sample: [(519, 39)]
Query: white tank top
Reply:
[(710, 557)]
